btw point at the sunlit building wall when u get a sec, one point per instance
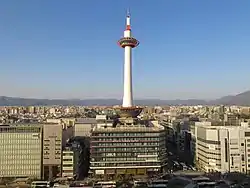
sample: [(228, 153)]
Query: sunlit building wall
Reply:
[(20, 151)]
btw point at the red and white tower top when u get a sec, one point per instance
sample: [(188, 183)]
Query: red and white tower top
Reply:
[(128, 40), (128, 21)]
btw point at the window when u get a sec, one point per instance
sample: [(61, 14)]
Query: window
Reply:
[(226, 152), (247, 134), (242, 158)]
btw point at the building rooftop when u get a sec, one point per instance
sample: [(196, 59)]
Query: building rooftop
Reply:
[(152, 126), (19, 129), (86, 121)]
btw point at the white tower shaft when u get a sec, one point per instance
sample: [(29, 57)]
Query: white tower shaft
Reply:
[(127, 87)]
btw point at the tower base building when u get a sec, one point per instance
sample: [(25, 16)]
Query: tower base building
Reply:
[(127, 147)]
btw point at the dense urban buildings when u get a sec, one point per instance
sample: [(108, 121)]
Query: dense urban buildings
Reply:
[(203, 137)]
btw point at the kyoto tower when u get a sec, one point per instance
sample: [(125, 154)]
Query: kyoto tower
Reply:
[(128, 42)]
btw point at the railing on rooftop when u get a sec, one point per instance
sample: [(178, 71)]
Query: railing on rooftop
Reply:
[(126, 129)]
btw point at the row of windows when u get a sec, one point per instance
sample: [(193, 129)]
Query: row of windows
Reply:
[(242, 144), (127, 144), (68, 159), (127, 154), (16, 144), (56, 140), (68, 165), (18, 138), (48, 153), (124, 159), (17, 130), (24, 173), (126, 139), (20, 146), (137, 150), (49, 148), (19, 152), (68, 154), (125, 164), (46, 157), (20, 157), (20, 166), (125, 134), (16, 156), (200, 150)]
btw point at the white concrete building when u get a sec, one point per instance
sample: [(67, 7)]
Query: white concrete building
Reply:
[(222, 148)]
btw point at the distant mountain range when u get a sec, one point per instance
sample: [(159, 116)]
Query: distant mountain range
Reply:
[(242, 99)]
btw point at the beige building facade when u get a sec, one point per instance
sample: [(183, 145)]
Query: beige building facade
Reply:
[(20, 151), (52, 150)]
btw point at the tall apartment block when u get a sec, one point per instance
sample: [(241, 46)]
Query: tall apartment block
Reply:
[(52, 150), (20, 151), (127, 147)]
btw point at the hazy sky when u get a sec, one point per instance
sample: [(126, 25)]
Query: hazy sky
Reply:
[(68, 48)]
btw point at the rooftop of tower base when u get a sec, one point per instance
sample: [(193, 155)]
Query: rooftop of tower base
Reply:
[(126, 112), (128, 125)]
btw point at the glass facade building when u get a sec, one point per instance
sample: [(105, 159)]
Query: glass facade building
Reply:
[(132, 147)]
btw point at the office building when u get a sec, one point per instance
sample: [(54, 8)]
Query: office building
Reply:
[(20, 151), (52, 150), (132, 147), (223, 148)]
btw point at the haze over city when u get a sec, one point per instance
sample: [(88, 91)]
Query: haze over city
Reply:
[(67, 49)]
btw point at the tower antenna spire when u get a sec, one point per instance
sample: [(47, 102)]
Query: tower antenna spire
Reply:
[(128, 12), (128, 27)]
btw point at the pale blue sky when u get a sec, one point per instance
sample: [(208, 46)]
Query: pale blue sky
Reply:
[(68, 48)]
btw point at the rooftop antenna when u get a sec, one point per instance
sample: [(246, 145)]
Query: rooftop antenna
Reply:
[(128, 12)]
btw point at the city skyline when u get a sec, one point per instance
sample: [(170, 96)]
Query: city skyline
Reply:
[(68, 50)]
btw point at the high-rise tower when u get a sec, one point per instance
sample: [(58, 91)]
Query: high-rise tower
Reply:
[(128, 42), (129, 146)]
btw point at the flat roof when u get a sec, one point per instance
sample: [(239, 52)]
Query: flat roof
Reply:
[(85, 121), (127, 129)]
